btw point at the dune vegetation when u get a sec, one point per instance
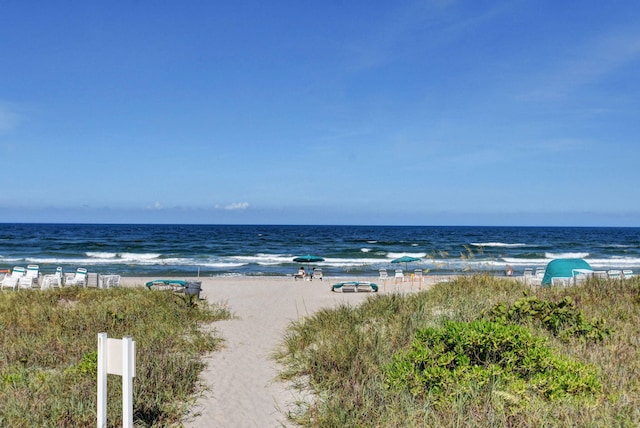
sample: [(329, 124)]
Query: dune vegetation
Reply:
[(477, 351), (48, 356)]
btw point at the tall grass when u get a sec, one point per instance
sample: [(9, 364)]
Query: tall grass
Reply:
[(48, 358), (342, 357)]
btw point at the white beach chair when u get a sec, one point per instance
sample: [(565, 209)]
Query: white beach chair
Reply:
[(627, 273), (580, 276), (614, 274), (399, 276), (383, 274), (12, 281), (600, 274), (30, 278), (80, 278), (561, 281), (52, 280), (109, 281), (417, 277)]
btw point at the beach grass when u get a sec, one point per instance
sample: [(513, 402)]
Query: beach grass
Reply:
[(477, 351), (48, 356)]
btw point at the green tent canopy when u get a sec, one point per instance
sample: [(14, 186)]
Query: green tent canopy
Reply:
[(564, 268)]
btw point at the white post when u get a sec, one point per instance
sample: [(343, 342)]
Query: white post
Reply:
[(127, 382), (102, 380), (116, 357)]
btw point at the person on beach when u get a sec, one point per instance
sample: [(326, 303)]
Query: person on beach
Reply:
[(301, 273), (509, 271)]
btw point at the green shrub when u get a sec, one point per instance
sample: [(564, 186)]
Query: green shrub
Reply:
[(561, 318), (442, 362)]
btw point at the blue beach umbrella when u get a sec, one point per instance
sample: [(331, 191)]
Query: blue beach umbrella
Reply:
[(308, 259), (406, 260)]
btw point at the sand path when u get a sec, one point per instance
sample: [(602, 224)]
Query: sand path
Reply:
[(241, 378)]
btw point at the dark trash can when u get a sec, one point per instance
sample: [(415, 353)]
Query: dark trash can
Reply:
[(193, 287)]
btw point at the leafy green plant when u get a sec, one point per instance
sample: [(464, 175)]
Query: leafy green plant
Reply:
[(561, 318), (462, 356)]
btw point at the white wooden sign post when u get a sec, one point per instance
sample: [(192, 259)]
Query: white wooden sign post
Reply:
[(118, 357)]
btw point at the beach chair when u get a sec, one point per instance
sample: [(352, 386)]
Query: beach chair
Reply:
[(316, 273), (627, 273), (355, 287), (109, 281), (30, 278), (600, 274), (561, 281), (383, 274), (53, 280), (614, 274), (12, 281), (300, 275), (399, 276), (92, 279), (417, 277), (581, 276), (79, 279), (527, 276)]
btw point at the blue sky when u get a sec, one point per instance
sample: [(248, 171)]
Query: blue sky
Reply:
[(433, 112)]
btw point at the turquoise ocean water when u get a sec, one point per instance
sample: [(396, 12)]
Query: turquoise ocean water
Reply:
[(214, 250)]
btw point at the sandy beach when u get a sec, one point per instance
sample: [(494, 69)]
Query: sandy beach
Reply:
[(240, 380)]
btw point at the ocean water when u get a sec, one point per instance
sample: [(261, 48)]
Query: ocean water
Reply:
[(214, 250)]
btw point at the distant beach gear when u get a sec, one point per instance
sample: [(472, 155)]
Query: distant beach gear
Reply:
[(406, 260), (166, 282), (565, 268), (12, 281), (79, 278), (354, 287), (308, 259)]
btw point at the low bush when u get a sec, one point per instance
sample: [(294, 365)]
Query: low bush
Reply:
[(462, 357), (562, 318)]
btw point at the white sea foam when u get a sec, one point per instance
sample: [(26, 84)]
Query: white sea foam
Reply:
[(123, 256), (398, 255), (101, 255), (345, 263), (566, 255), (497, 244), (525, 262), (613, 262), (220, 265), (264, 259), (365, 250)]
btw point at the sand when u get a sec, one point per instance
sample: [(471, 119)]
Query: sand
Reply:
[(241, 383)]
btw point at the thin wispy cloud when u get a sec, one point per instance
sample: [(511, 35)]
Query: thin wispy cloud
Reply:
[(236, 206), (587, 64), (415, 27)]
